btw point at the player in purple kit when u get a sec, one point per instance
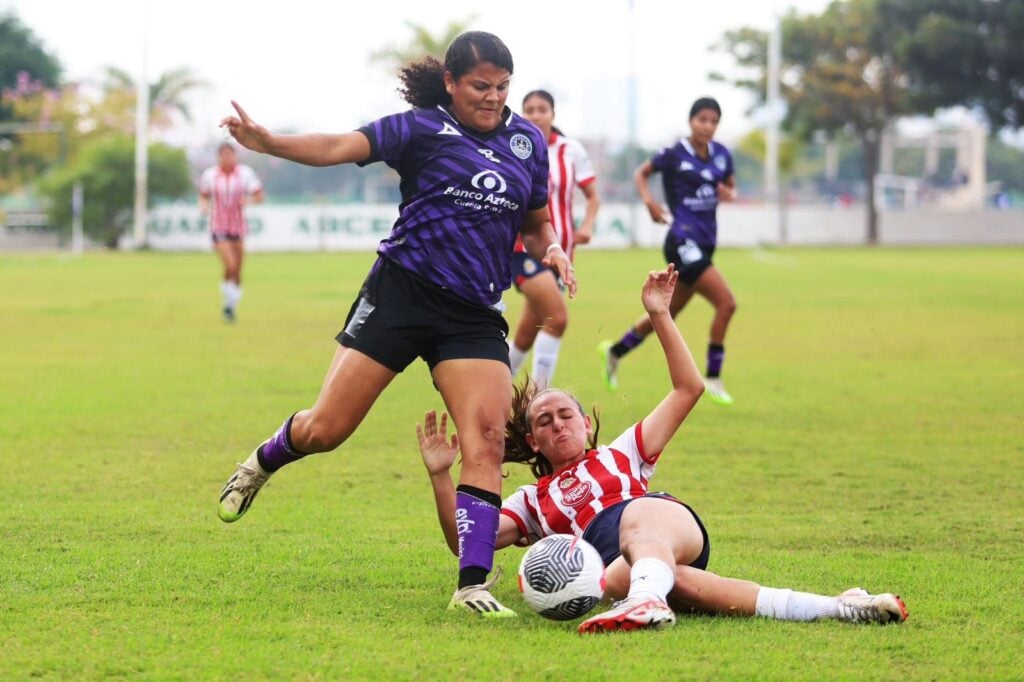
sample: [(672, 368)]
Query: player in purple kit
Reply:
[(696, 174), (473, 176)]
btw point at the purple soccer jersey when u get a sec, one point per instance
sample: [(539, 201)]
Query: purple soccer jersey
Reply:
[(465, 195), (691, 188)]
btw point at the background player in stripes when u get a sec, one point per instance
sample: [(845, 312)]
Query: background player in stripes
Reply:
[(224, 190), (474, 175), (545, 315), (655, 547), (696, 174)]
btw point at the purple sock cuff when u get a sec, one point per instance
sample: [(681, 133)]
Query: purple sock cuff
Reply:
[(278, 451), (631, 339), (477, 525), (716, 356)]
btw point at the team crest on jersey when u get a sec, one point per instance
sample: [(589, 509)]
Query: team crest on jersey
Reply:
[(574, 491), (521, 146), (720, 162)]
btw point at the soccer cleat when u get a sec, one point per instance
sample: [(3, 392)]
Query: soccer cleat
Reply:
[(631, 614), (241, 489), (857, 606), (229, 314), (716, 391), (478, 599), (609, 365)]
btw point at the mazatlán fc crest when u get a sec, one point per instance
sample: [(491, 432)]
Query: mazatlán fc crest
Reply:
[(521, 146)]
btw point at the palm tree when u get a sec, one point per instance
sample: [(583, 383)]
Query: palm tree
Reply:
[(423, 44), (167, 95)]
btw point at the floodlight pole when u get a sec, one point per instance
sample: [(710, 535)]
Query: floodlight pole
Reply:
[(77, 211), (772, 194), (142, 139), (631, 123)]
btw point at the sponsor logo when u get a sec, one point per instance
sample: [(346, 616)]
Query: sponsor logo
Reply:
[(529, 266), (447, 129), (574, 491), (707, 175), (685, 166), (489, 153), (705, 199), (463, 523), (488, 188), (521, 146), (489, 180)]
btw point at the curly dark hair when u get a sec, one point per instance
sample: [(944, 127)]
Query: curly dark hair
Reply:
[(517, 449), (423, 81)]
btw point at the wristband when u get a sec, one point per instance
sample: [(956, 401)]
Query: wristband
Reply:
[(554, 245)]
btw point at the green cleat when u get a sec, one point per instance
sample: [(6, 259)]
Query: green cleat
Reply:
[(609, 365), (716, 392)]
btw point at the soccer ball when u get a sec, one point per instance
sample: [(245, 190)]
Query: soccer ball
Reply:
[(562, 577)]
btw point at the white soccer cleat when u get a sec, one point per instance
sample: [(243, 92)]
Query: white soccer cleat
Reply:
[(478, 599), (631, 614), (716, 391), (241, 489), (857, 606)]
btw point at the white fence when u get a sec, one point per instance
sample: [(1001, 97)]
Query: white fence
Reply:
[(361, 226)]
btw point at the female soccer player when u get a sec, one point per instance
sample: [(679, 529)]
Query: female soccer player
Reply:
[(224, 190), (545, 316), (474, 175), (655, 547), (696, 173)]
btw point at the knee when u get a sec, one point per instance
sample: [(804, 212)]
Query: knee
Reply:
[(488, 449), (557, 323), (317, 434), (728, 307)]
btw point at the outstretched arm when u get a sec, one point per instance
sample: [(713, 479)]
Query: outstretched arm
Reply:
[(312, 149), (438, 457), (687, 385)]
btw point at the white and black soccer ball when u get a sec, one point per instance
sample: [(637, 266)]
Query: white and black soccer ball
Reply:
[(562, 577)]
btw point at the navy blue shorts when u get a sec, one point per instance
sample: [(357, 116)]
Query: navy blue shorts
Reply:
[(603, 532), (525, 267), (399, 316), (691, 259)]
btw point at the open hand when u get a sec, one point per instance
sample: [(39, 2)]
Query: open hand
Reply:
[(658, 290), (438, 454), (557, 260)]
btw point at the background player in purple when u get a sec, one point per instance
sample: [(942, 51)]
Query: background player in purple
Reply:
[(696, 174), (473, 176), (655, 548)]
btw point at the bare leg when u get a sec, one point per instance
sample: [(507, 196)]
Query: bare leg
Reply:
[(545, 310), (712, 286), (352, 385)]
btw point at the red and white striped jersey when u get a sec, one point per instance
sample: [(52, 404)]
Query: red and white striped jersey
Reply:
[(568, 168), (569, 499), (227, 192)]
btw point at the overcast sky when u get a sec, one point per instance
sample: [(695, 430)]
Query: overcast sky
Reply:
[(305, 64)]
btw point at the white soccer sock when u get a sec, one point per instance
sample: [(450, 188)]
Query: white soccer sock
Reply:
[(234, 294), (516, 355), (545, 358), (651, 579), (790, 605), (225, 292)]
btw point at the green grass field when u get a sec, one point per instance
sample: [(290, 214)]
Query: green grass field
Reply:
[(877, 440)]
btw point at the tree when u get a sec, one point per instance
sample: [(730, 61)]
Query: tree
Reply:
[(168, 95), (839, 74), (423, 44), (106, 169), (963, 52), (23, 60)]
